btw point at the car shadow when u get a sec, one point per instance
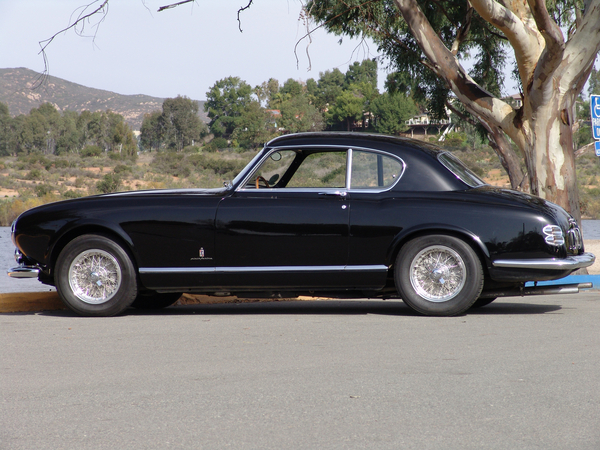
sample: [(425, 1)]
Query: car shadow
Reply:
[(320, 307), (338, 307)]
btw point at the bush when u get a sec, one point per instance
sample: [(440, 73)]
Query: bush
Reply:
[(35, 174), (120, 168), (72, 194), (90, 151), (220, 143), (109, 183), (42, 190)]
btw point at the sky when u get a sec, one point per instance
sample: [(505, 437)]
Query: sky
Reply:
[(180, 51)]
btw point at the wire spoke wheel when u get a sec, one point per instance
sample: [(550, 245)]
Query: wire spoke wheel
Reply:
[(95, 276), (438, 273)]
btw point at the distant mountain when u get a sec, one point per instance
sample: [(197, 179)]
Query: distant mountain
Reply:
[(18, 90)]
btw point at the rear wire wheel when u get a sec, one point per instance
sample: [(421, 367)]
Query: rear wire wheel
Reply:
[(95, 276), (438, 275)]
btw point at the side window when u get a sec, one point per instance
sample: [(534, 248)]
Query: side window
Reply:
[(322, 169), (373, 170), (272, 170)]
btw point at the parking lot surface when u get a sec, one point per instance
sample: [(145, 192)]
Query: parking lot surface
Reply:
[(519, 373)]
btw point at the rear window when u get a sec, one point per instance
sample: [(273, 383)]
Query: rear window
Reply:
[(462, 172)]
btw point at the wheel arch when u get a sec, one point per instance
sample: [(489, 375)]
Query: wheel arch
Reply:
[(465, 235), (115, 233)]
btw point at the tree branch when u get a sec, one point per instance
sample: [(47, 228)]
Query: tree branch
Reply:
[(174, 5), (80, 20), (518, 27), (243, 8), (477, 100)]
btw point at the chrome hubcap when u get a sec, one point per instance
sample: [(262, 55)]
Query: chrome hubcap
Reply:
[(437, 273), (95, 276)]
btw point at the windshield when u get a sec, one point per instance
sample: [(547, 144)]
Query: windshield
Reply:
[(454, 165), (244, 171)]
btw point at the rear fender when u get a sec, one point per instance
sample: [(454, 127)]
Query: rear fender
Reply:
[(437, 228)]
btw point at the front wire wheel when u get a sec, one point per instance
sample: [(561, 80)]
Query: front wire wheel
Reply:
[(95, 276), (438, 275)]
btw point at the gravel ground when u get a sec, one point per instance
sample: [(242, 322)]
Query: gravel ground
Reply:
[(591, 230)]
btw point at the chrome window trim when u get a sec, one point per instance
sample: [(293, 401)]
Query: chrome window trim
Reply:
[(353, 268), (568, 263), (241, 186)]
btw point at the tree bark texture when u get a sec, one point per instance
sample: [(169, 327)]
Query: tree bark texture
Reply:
[(552, 71)]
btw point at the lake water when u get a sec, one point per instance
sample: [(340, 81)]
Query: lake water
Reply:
[(591, 231)]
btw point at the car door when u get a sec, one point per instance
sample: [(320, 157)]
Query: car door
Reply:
[(288, 225), (375, 213)]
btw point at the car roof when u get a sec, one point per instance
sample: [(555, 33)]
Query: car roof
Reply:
[(349, 139), (424, 172)]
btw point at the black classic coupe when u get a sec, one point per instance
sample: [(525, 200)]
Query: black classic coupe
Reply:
[(320, 214)]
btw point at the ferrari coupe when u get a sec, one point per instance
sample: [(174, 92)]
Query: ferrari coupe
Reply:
[(346, 215)]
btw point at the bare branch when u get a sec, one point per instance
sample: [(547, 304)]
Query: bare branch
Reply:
[(174, 5), (79, 21), (242, 9)]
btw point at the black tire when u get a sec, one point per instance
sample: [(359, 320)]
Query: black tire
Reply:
[(438, 275), (95, 276), (155, 300), (480, 302)]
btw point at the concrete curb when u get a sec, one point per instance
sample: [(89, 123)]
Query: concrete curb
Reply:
[(30, 302), (50, 301)]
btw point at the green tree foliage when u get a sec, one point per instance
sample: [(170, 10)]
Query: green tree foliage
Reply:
[(391, 111), (299, 115), (348, 107), (5, 130), (176, 127), (151, 135), (329, 86), (225, 103), (267, 90), (180, 122), (254, 126), (46, 130), (363, 72)]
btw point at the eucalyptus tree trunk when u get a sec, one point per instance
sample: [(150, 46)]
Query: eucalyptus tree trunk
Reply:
[(552, 71)]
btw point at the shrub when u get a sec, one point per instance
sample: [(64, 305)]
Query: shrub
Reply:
[(109, 183), (220, 143), (72, 194), (42, 190), (35, 174), (90, 151), (121, 168)]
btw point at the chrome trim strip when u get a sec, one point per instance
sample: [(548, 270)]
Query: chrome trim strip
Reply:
[(357, 268), (349, 169), (569, 263), (23, 272)]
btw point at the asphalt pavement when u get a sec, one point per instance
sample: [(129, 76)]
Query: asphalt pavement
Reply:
[(517, 374)]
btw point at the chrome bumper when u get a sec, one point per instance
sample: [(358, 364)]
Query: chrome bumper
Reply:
[(569, 263), (24, 272)]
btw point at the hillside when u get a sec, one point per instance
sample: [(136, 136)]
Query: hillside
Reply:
[(16, 92)]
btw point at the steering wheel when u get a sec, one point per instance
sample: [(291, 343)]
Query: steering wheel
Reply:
[(259, 179)]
